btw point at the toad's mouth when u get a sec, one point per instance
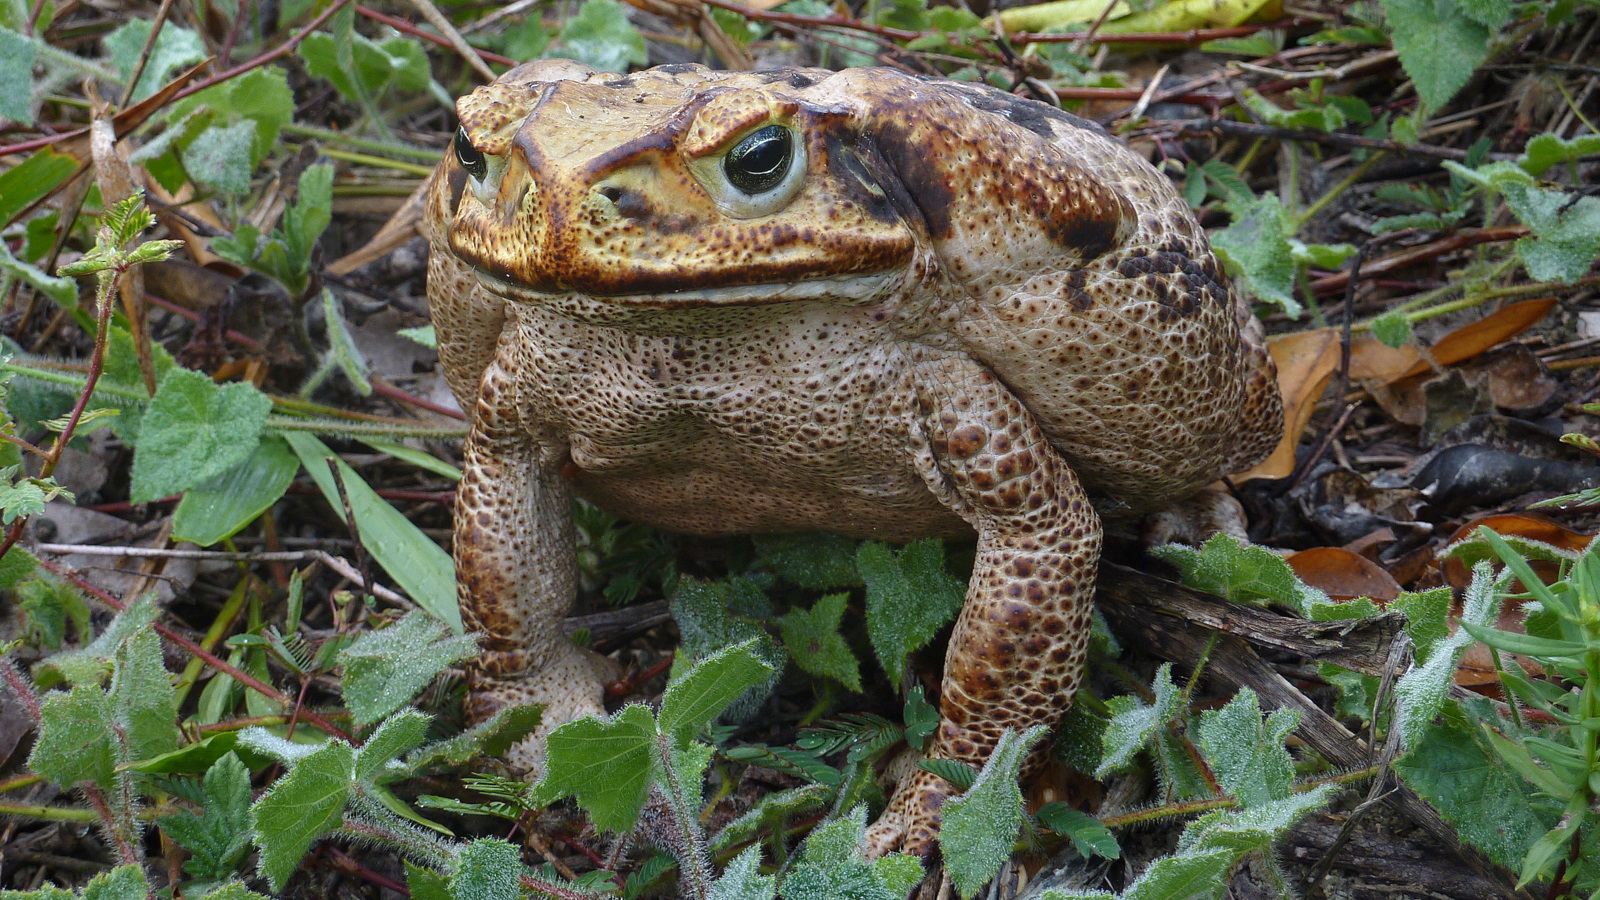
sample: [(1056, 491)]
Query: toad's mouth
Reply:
[(844, 290)]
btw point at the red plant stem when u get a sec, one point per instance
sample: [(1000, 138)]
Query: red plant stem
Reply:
[(1467, 237), (125, 850), (206, 656), (22, 689), (402, 25), (342, 862)]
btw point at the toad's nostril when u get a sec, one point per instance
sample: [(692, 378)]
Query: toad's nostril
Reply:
[(614, 194)]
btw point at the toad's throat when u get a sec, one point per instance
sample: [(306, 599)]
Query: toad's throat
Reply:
[(842, 290)]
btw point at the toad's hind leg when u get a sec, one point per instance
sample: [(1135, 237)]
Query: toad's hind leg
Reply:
[(1016, 655), (516, 574)]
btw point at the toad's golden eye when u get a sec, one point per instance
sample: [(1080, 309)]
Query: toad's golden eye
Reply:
[(759, 162), (471, 157)]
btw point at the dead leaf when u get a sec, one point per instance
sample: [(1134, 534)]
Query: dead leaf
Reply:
[(1306, 359), (1531, 526), (1517, 379), (1343, 575)]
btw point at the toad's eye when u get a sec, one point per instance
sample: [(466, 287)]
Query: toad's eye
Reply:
[(472, 159), (759, 162)]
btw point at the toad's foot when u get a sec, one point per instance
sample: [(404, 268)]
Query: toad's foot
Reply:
[(570, 682), (911, 821), (1193, 520)]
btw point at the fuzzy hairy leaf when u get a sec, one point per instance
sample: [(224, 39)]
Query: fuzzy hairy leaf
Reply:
[(399, 734), (1247, 753), (605, 763), (601, 36), (817, 560), (695, 700), (194, 430), (1440, 46), (832, 865), (299, 808), (218, 837), (980, 826), (487, 869), (384, 669), (1133, 723), (742, 880), (1256, 251), (813, 640), (909, 598), (1243, 573), (222, 157), (712, 615), (16, 83), (1420, 693), (1088, 834), (74, 743), (175, 47), (143, 699)]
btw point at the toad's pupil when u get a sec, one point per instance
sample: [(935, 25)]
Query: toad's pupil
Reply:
[(760, 161), (471, 157)]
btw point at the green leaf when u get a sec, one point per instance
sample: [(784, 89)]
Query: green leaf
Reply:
[(426, 884), (424, 334), (18, 499), (1256, 250), (219, 836), (695, 700), (16, 93), (1489, 805), (493, 737), (343, 354), (143, 699), (1089, 835), (1133, 723), (920, 717), (980, 826), (832, 865), (385, 668), (1392, 329), (1426, 614), (89, 664), (814, 642), (299, 808), (816, 560), (487, 869), (1247, 754), (175, 47), (1566, 231), (40, 173), (121, 883), (742, 879), (1542, 153), (399, 734), (74, 743), (64, 291), (1439, 46), (1528, 645), (909, 598), (605, 764), (221, 157), (601, 36), (194, 430), (308, 217), (1183, 877), (1243, 573), (717, 614), (415, 562), (1420, 693), (219, 507)]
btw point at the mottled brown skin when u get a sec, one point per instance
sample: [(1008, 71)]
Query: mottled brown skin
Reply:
[(975, 313)]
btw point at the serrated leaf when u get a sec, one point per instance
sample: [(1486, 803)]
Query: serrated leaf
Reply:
[(1089, 835), (742, 880), (399, 734), (219, 507), (1420, 693), (1243, 573), (16, 87), (487, 869), (695, 700), (1247, 754), (1439, 46), (1392, 329), (218, 837), (798, 763), (813, 640), (718, 614), (909, 598), (221, 157), (1186, 877), (1133, 722), (1426, 614), (385, 668), (1541, 153), (492, 738), (920, 717), (426, 884), (299, 808), (832, 865), (143, 699), (74, 743), (601, 36), (1255, 249), (605, 763), (121, 883), (1566, 231), (175, 47), (981, 825), (1253, 828), (410, 557), (1475, 790), (817, 560), (194, 430)]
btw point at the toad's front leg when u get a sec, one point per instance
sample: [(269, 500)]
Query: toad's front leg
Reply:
[(1016, 654), (516, 573)]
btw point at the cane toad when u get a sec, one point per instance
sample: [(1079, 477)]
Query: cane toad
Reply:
[(861, 301)]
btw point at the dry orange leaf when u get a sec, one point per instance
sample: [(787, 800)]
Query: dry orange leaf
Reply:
[(1343, 575), (1306, 360), (1531, 526), (1371, 359)]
